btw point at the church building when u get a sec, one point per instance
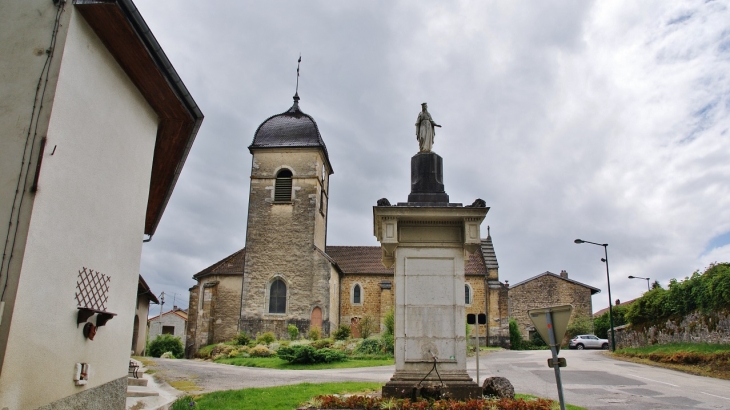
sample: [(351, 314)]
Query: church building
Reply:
[(288, 274)]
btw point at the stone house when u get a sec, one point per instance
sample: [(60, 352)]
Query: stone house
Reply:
[(142, 311), (288, 275), (548, 289), (173, 322), (96, 126)]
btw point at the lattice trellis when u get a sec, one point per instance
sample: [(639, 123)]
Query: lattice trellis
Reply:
[(92, 289)]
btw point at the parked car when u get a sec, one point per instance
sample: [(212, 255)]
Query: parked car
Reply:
[(581, 342)]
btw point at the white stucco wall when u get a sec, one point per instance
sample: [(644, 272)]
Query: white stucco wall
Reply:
[(168, 319), (89, 212)]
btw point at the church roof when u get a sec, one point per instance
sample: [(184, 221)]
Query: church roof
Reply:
[(490, 257), (230, 265), (290, 129), (548, 273)]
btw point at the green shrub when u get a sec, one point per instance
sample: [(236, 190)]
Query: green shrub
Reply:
[(367, 326), (260, 351), (303, 354), (314, 333), (515, 336), (369, 346), (580, 324), (293, 332), (242, 339), (166, 343), (536, 340), (342, 332), (387, 342), (389, 322), (322, 343), (266, 338), (601, 324)]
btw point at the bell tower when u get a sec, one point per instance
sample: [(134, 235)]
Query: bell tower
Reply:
[(287, 277)]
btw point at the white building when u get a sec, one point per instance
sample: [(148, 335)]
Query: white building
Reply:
[(95, 126), (173, 322)]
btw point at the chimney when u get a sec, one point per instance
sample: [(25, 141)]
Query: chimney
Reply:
[(564, 274), (174, 308), (506, 284), (618, 302)]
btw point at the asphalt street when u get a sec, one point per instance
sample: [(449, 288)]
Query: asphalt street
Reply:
[(591, 379)]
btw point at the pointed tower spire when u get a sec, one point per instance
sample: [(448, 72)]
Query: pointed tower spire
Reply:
[(296, 92)]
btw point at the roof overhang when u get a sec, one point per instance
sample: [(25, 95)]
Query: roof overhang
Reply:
[(128, 38)]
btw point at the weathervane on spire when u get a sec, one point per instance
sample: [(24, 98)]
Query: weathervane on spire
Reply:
[(296, 92)]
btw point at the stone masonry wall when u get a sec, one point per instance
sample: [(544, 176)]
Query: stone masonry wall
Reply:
[(545, 291), (280, 243), (168, 319), (376, 301), (190, 342), (695, 327), (227, 306)]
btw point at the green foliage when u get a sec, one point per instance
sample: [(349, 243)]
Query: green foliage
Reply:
[(303, 354), (389, 322), (580, 324), (314, 333), (322, 343), (515, 336), (342, 332), (468, 329), (183, 403), (367, 326), (706, 292), (369, 346), (537, 340), (601, 324), (166, 343), (266, 338), (260, 351), (293, 332), (242, 339), (387, 342)]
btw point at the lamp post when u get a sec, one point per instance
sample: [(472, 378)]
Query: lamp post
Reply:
[(608, 280), (639, 277)]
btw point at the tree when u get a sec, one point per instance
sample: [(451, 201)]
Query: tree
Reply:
[(515, 336)]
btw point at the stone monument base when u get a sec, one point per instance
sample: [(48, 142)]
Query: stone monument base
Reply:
[(458, 386)]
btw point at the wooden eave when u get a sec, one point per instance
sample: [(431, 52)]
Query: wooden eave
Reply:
[(121, 28)]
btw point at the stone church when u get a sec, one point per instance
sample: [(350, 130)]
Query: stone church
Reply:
[(288, 274)]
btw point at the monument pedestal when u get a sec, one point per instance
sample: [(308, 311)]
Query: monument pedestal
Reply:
[(427, 245)]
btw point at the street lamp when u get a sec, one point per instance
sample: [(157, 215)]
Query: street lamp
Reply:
[(608, 280), (639, 277)]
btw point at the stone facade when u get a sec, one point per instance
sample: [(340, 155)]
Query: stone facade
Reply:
[(545, 290), (376, 299), (693, 328)]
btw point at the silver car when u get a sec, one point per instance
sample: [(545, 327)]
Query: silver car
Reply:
[(581, 342)]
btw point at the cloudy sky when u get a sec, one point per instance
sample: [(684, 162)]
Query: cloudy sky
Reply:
[(606, 121)]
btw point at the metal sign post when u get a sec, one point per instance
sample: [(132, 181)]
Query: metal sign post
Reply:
[(551, 324)]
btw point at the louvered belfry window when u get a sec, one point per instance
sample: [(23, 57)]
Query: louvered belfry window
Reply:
[(282, 190), (277, 297)]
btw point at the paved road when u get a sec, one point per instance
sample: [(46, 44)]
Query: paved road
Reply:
[(592, 379)]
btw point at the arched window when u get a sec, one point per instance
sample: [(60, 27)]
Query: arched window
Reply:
[(277, 297), (467, 295), (282, 189), (357, 294)]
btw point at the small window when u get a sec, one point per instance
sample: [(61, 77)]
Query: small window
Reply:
[(282, 189), (168, 330), (356, 294), (467, 294), (277, 297)]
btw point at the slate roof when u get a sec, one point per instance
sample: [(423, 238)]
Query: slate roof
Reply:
[(546, 273), (290, 129), (230, 265), (490, 257)]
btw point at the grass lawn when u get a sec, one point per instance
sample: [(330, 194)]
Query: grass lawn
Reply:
[(277, 363), (276, 398), (704, 359), (284, 397), (567, 406)]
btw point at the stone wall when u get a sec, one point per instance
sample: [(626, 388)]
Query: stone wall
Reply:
[(376, 297), (544, 291), (169, 319), (281, 243), (495, 303), (693, 328), (191, 345)]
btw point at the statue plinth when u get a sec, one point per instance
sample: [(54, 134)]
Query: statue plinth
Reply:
[(427, 180), (427, 246)]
